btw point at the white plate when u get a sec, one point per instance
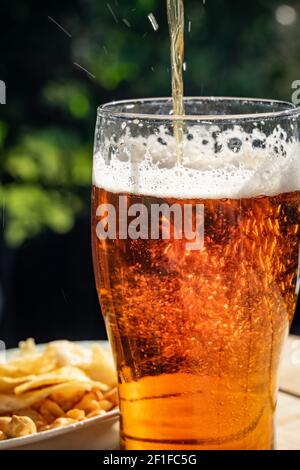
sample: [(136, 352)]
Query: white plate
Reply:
[(100, 432)]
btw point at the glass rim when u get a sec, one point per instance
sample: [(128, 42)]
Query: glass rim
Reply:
[(107, 109)]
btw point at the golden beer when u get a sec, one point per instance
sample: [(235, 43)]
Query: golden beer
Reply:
[(197, 334)]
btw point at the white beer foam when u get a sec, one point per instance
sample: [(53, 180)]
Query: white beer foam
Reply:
[(229, 164)]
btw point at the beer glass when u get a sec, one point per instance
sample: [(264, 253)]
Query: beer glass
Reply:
[(195, 250)]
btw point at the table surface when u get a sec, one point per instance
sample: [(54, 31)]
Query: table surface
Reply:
[(288, 408)]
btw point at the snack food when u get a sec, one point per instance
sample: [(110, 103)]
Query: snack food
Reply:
[(60, 385)]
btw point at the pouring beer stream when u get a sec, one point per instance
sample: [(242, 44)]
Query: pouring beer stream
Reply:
[(175, 12)]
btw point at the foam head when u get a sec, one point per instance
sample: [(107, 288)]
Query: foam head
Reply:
[(215, 163)]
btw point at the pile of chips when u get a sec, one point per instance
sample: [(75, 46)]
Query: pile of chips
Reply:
[(59, 385)]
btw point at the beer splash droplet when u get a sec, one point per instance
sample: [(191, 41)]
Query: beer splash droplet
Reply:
[(153, 21)]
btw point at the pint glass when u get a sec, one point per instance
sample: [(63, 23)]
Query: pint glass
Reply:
[(195, 250)]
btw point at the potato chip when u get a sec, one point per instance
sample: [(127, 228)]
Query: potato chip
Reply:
[(19, 366), (64, 374), (67, 353), (10, 402), (9, 383), (27, 347), (101, 366)]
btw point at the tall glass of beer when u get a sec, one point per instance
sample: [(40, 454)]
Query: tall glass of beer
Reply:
[(195, 250)]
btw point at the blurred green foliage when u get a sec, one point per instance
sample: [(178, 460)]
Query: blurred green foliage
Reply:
[(46, 129)]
